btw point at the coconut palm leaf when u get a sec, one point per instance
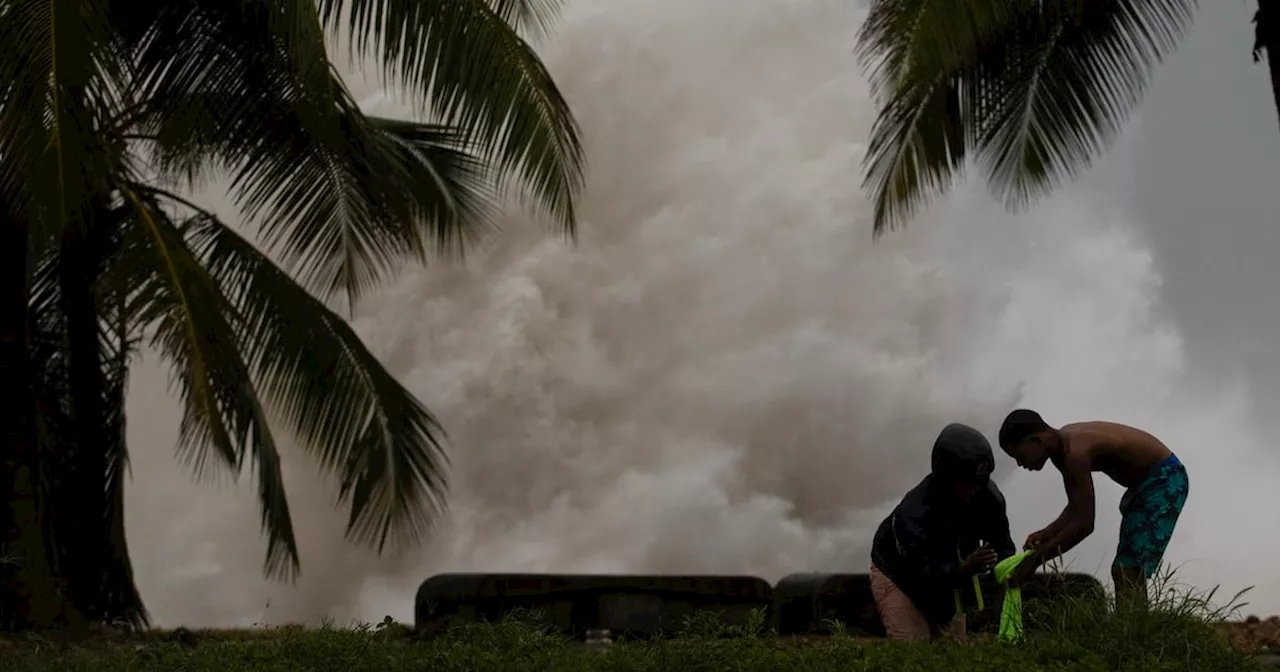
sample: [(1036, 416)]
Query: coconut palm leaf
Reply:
[(467, 65), (900, 40), (345, 211), (923, 60), (917, 143), (64, 87), (1070, 77), (343, 198), (334, 394), (53, 409), (345, 214), (194, 329), (534, 16), (1266, 40), (301, 151), (1038, 91)]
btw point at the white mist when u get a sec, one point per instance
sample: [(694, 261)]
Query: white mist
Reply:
[(725, 375)]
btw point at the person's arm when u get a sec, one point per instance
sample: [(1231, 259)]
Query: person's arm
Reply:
[(1048, 531), (1076, 521)]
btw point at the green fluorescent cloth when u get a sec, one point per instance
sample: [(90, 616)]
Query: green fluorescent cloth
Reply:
[(1011, 614)]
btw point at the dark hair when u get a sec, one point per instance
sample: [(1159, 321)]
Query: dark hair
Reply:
[(1019, 425)]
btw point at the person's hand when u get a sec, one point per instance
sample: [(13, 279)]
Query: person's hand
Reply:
[(979, 561), (1024, 571), (1035, 540)]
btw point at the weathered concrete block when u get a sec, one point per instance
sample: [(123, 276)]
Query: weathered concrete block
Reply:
[(636, 605), (805, 603), (646, 605)]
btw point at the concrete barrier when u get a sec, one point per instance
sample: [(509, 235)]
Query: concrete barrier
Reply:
[(1071, 584), (806, 603), (639, 606), (647, 605)]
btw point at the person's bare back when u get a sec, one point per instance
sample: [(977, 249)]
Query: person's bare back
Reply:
[(1156, 487), (1125, 454)]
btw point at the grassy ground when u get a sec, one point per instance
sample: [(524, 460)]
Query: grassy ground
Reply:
[(1180, 633)]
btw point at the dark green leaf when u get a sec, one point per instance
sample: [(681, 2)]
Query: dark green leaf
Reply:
[(1033, 91), (1070, 77), (336, 396), (466, 63), (183, 304)]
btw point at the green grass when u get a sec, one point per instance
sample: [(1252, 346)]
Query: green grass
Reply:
[(1177, 634)]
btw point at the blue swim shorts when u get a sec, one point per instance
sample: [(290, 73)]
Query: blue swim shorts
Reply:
[(1149, 511)]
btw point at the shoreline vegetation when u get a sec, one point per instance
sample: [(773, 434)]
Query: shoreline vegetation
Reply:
[(1180, 631)]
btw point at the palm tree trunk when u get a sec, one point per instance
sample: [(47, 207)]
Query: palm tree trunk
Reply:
[(1267, 38), (29, 593), (81, 525), (121, 599), (91, 539)]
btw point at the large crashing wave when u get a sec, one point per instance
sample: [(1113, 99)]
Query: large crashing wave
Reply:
[(726, 374)]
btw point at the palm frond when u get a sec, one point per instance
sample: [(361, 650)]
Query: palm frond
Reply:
[(1033, 90), (464, 61), (535, 16), (335, 395), (346, 215), (60, 91), (1069, 77), (923, 60), (903, 41), (1266, 29), (51, 386), (1266, 38), (343, 198), (918, 143), (193, 323), (447, 189)]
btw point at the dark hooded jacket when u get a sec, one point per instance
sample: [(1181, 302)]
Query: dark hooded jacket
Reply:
[(921, 544)]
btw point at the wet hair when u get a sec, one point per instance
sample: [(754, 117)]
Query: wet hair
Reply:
[(1019, 425)]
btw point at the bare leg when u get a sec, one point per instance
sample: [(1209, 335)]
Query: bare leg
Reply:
[(1131, 585), (902, 621), (957, 629)]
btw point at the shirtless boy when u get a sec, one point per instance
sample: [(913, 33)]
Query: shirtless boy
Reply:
[(1156, 485)]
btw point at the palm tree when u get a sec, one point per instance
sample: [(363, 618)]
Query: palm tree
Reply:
[(107, 107), (1267, 39), (1031, 90), (94, 560)]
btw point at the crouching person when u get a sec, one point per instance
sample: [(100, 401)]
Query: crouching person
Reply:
[(944, 533)]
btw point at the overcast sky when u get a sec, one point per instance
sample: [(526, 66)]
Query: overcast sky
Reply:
[(1206, 185)]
